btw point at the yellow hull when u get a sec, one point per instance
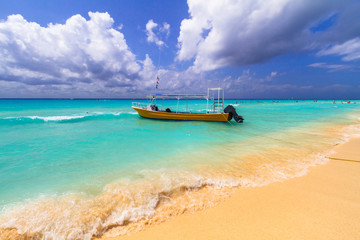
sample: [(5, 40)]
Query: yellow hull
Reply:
[(213, 117)]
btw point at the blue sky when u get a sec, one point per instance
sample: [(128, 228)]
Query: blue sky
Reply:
[(116, 49)]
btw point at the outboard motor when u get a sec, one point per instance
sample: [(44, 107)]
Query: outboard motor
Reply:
[(232, 113)]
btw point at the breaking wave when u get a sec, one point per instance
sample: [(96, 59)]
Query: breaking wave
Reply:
[(66, 118), (77, 216), (155, 197)]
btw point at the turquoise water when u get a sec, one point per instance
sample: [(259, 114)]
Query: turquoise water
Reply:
[(56, 148)]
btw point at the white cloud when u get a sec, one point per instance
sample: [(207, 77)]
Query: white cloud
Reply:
[(349, 49), (165, 29), (236, 33), (79, 51), (153, 37), (330, 67), (81, 58)]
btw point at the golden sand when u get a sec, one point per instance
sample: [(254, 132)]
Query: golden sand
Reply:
[(324, 204)]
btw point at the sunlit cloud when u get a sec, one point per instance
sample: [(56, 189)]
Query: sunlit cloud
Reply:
[(238, 33), (350, 50), (78, 51), (153, 31)]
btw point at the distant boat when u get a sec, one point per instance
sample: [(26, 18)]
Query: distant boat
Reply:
[(215, 111)]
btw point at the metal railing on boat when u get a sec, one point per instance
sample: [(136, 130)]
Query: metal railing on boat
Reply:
[(216, 95)]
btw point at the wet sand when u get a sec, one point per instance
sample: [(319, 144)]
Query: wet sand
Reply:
[(324, 204)]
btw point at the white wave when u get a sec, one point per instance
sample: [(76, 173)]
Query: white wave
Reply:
[(46, 118), (121, 113), (69, 117), (279, 172), (56, 118), (113, 113), (100, 113), (131, 113), (75, 216)]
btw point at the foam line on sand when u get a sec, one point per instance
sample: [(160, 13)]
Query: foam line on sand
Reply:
[(324, 204)]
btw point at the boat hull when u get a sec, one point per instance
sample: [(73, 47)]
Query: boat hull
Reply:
[(212, 117)]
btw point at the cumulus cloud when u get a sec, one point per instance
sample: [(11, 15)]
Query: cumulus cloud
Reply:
[(153, 32), (79, 52), (349, 49), (80, 58), (237, 33)]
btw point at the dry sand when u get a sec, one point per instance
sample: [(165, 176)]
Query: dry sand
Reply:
[(324, 204)]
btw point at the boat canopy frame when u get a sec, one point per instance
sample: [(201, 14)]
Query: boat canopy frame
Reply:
[(214, 95)]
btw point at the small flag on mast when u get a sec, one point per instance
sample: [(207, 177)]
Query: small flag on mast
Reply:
[(157, 81)]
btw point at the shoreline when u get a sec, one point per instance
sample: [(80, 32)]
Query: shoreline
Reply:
[(187, 203), (323, 204)]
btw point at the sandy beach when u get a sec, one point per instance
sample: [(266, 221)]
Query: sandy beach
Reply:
[(324, 204)]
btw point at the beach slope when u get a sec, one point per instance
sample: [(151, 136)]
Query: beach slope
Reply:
[(324, 204)]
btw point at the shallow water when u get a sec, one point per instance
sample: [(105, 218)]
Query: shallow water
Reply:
[(73, 168)]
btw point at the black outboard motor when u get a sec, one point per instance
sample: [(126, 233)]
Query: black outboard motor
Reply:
[(232, 113)]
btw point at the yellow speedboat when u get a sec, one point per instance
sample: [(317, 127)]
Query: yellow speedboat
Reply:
[(215, 111), (215, 117)]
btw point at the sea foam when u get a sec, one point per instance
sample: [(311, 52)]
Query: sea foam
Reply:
[(78, 216), (56, 118), (65, 118)]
